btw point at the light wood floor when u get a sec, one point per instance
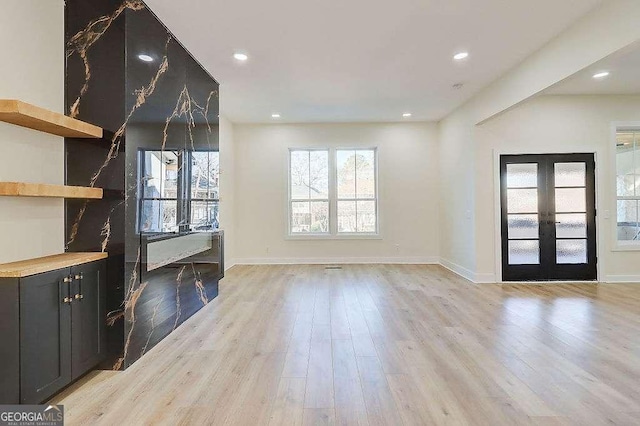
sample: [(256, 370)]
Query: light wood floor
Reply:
[(382, 344)]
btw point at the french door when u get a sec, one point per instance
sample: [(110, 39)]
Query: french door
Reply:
[(548, 217)]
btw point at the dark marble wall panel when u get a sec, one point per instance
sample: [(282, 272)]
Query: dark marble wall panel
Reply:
[(95, 92), (170, 102)]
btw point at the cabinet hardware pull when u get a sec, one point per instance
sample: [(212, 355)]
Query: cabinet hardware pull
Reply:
[(68, 279), (79, 278)]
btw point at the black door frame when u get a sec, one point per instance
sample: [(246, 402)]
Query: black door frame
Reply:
[(548, 269)]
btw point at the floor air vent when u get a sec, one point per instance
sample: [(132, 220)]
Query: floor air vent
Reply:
[(333, 267)]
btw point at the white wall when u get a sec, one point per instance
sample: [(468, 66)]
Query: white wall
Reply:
[(32, 43), (555, 124), (408, 192), (227, 190), (603, 31), (457, 194)]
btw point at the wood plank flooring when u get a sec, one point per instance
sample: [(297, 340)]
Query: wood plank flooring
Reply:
[(382, 345)]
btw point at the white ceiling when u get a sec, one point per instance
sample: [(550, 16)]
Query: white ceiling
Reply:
[(624, 77), (360, 60)]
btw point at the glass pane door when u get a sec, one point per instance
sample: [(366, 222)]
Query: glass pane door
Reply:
[(548, 217), (523, 228), (571, 212)]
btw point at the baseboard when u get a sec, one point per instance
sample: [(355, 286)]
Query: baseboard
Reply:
[(230, 264), (457, 269), (417, 260), (468, 274), (622, 279)]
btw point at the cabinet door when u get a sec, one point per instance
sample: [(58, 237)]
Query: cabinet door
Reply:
[(45, 335), (10, 341), (87, 317)]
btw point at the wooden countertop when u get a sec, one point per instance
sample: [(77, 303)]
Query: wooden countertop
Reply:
[(39, 265)]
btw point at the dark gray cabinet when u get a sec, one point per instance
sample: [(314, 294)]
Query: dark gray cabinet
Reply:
[(9, 341), (45, 335), (55, 332), (87, 317)]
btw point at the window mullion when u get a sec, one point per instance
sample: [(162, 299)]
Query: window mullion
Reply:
[(635, 162), (309, 176), (355, 184), (333, 191)]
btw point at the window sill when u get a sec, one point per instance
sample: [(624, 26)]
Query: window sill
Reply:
[(334, 237), (626, 247)]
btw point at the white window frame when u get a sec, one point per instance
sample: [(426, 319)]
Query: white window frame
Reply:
[(619, 245), (375, 199), (291, 200), (333, 233)]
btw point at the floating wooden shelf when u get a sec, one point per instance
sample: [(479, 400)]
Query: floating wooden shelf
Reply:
[(24, 268), (22, 189), (33, 117)]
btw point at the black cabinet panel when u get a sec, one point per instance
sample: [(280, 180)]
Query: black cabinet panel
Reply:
[(45, 335), (87, 317), (9, 342)]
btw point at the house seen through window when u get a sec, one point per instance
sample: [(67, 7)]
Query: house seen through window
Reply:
[(180, 191)]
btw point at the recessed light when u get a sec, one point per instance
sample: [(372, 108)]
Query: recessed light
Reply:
[(602, 74), (240, 56), (275, 115), (406, 115), (145, 58), (460, 56)]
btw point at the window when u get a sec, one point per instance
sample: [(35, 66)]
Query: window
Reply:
[(309, 192), (356, 187), (628, 185), (205, 199), (159, 202), (344, 205), (179, 191)]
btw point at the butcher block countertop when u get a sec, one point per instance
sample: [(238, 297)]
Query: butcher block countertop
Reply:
[(24, 268)]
